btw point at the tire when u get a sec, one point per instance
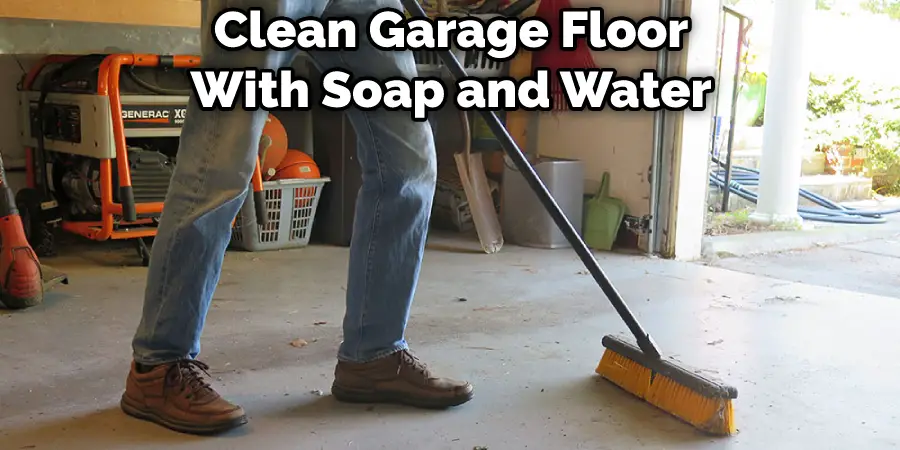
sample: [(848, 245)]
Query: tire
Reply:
[(39, 234)]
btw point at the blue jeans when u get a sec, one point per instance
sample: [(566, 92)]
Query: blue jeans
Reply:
[(217, 155)]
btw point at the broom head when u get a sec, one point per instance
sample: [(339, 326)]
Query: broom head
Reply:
[(699, 400)]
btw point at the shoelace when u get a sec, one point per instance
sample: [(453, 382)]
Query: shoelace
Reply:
[(186, 373), (415, 363)]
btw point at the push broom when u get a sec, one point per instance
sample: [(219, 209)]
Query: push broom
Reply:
[(637, 367)]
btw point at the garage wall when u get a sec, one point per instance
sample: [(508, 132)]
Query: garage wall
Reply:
[(618, 142), (13, 153), (10, 73)]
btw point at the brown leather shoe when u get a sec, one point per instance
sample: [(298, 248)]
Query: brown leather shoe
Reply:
[(176, 397), (397, 378)]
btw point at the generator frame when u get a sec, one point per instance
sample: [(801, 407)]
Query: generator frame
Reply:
[(105, 140)]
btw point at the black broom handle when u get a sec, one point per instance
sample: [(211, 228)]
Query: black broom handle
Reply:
[(644, 341)]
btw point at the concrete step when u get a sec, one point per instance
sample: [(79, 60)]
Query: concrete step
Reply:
[(813, 164), (837, 188)]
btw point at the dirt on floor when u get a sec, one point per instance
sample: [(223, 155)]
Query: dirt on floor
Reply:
[(528, 336), (738, 222)]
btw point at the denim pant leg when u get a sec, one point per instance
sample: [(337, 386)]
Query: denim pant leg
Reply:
[(393, 208), (216, 157)]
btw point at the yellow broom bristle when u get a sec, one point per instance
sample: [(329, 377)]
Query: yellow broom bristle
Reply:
[(625, 373), (712, 415), (709, 414)]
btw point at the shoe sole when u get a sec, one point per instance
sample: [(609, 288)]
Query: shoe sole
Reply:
[(182, 427), (371, 396)]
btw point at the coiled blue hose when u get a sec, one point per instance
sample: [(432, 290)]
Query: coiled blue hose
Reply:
[(831, 212)]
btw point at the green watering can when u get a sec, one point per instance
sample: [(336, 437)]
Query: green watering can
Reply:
[(603, 217)]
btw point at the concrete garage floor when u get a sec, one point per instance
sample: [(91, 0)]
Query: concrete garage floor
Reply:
[(815, 366), (871, 266)]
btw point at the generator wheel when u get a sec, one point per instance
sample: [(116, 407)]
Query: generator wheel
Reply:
[(39, 234)]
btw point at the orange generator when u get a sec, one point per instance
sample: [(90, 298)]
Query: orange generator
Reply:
[(101, 137)]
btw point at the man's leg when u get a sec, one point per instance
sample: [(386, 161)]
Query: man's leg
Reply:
[(392, 215), (216, 157)]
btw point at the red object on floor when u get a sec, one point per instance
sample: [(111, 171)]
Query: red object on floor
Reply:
[(21, 284), (19, 265), (553, 57)]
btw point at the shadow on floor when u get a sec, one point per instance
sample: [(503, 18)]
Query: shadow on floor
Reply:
[(105, 428)]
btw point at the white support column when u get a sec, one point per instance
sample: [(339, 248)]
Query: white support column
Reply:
[(785, 115)]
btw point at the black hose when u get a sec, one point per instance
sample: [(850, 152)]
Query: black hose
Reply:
[(753, 180), (751, 177), (831, 212), (833, 216), (152, 87)]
